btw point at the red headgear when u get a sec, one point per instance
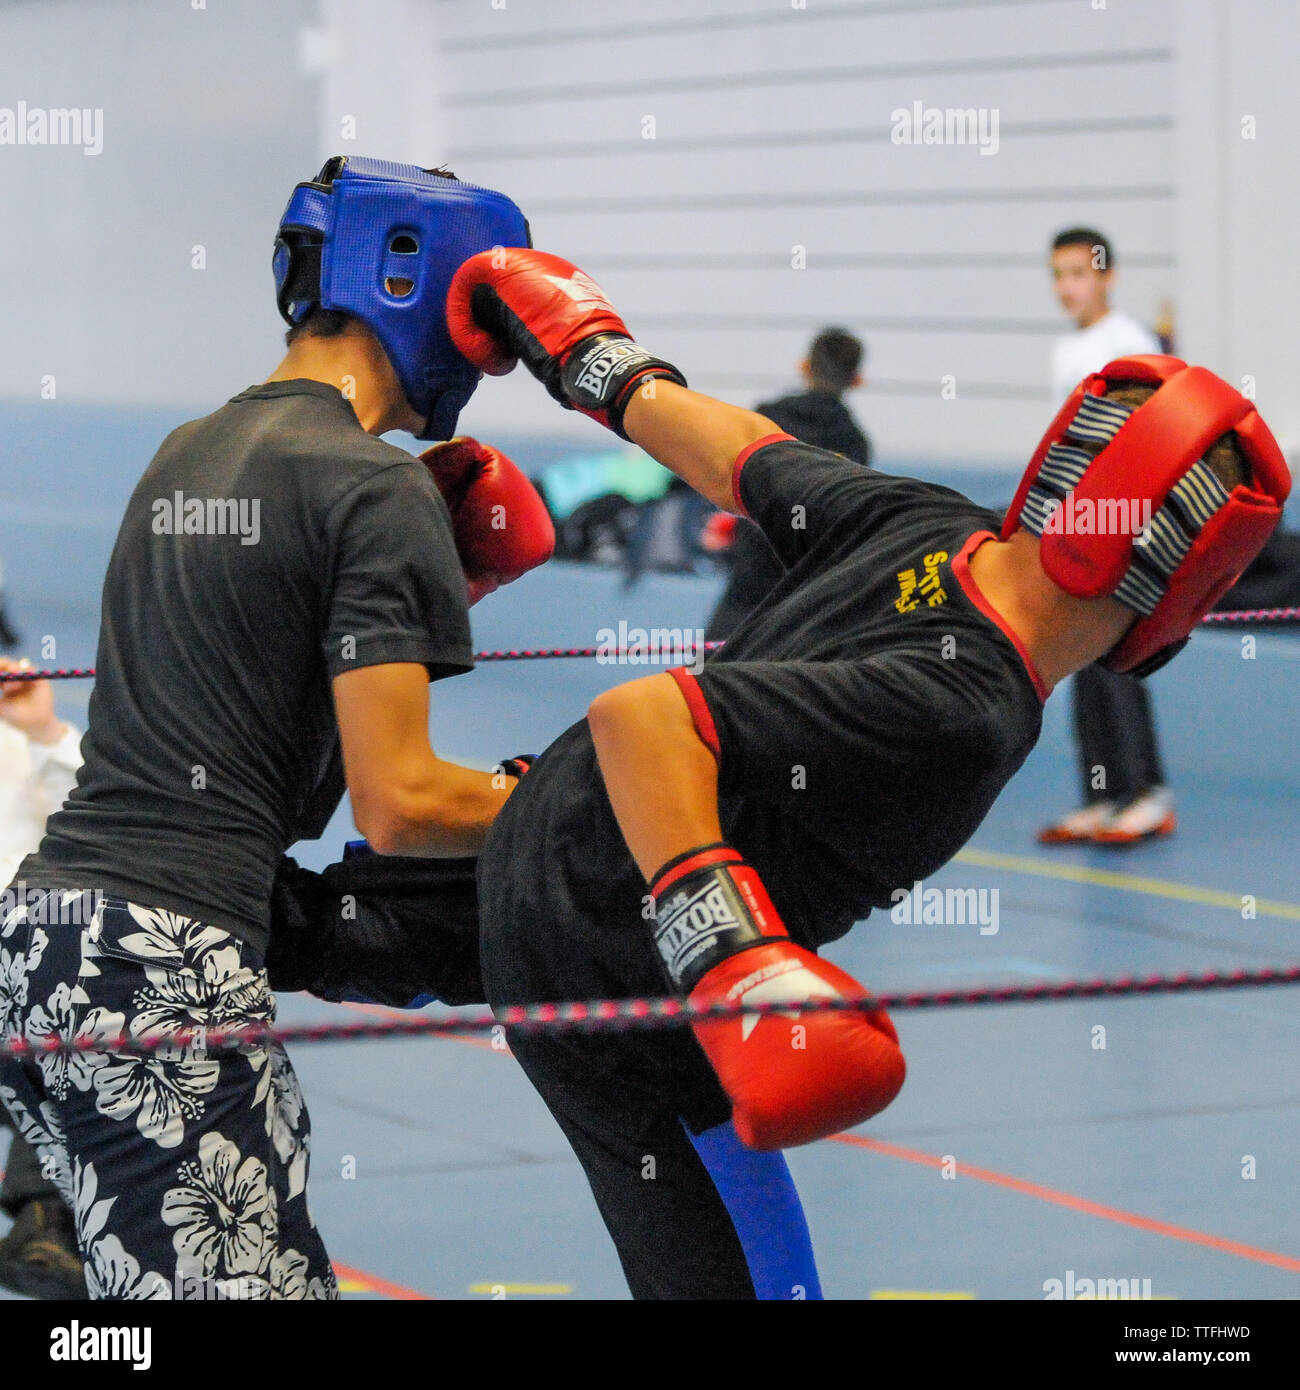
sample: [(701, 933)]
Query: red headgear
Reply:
[(1145, 520)]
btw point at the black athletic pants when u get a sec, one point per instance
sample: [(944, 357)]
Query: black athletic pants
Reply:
[(674, 1235), (1116, 736)]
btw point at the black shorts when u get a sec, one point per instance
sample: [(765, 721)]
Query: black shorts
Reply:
[(541, 941), (624, 1101)]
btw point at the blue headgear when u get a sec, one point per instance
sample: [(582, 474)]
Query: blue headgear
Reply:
[(382, 241)]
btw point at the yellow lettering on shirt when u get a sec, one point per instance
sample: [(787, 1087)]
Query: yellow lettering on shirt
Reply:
[(910, 588)]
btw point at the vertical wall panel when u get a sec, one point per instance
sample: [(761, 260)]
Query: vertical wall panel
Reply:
[(772, 131)]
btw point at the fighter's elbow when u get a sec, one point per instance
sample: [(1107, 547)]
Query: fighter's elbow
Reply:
[(396, 824), (605, 713), (384, 837), (377, 820), (650, 712)]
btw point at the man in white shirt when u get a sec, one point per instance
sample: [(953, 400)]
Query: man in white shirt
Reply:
[(39, 758), (1124, 792), (1083, 274)]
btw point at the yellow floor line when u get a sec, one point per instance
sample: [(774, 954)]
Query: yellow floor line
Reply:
[(1129, 883)]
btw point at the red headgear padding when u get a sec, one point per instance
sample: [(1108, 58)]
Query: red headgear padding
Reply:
[(1151, 452)]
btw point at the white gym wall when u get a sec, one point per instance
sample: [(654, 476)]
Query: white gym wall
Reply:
[(771, 126)]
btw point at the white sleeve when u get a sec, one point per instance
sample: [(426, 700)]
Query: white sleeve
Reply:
[(55, 765), (1063, 379), (1134, 337)]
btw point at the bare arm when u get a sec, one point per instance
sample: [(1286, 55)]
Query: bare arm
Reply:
[(661, 778), (405, 799), (694, 435)]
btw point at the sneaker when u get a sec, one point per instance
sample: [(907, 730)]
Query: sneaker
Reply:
[(39, 1256), (1149, 816), (1079, 825)]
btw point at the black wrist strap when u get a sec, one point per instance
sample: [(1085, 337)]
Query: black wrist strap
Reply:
[(602, 371), (701, 919)]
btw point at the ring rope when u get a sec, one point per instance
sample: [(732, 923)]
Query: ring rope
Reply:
[(628, 1015), (1262, 616)]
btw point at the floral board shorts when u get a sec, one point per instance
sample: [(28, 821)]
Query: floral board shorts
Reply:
[(186, 1169)]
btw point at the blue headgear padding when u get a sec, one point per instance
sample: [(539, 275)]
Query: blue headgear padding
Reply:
[(760, 1196), (382, 241)]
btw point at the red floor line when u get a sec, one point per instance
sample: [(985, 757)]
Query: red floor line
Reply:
[(1080, 1204), (376, 1285), (1006, 1180)]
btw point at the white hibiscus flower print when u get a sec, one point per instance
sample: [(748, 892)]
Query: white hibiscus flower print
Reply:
[(55, 1018), (173, 1006), (245, 998), (183, 1004), (223, 964), (99, 1025), (208, 975), (45, 1136), (13, 919), (288, 1275), (13, 986), (289, 1281), (15, 969), (111, 1272), (224, 1211), (165, 936), (161, 1094), (285, 1112), (259, 1059), (90, 952), (244, 1288), (91, 1214)]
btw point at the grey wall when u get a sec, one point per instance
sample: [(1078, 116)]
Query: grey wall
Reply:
[(771, 127), (208, 120)]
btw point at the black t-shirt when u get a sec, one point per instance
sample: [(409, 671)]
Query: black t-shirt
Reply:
[(212, 744), (812, 417), (865, 717), (820, 418)]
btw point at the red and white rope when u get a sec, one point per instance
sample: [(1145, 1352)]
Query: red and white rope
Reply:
[(628, 1015), (1263, 616)]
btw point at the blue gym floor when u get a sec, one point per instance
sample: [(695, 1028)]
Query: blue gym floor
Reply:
[(437, 1172)]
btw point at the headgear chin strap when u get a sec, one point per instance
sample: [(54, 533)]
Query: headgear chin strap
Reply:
[(382, 241), (1145, 519)]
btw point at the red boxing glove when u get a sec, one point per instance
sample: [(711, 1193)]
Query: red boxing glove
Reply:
[(792, 1077), (512, 303), (499, 521)]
